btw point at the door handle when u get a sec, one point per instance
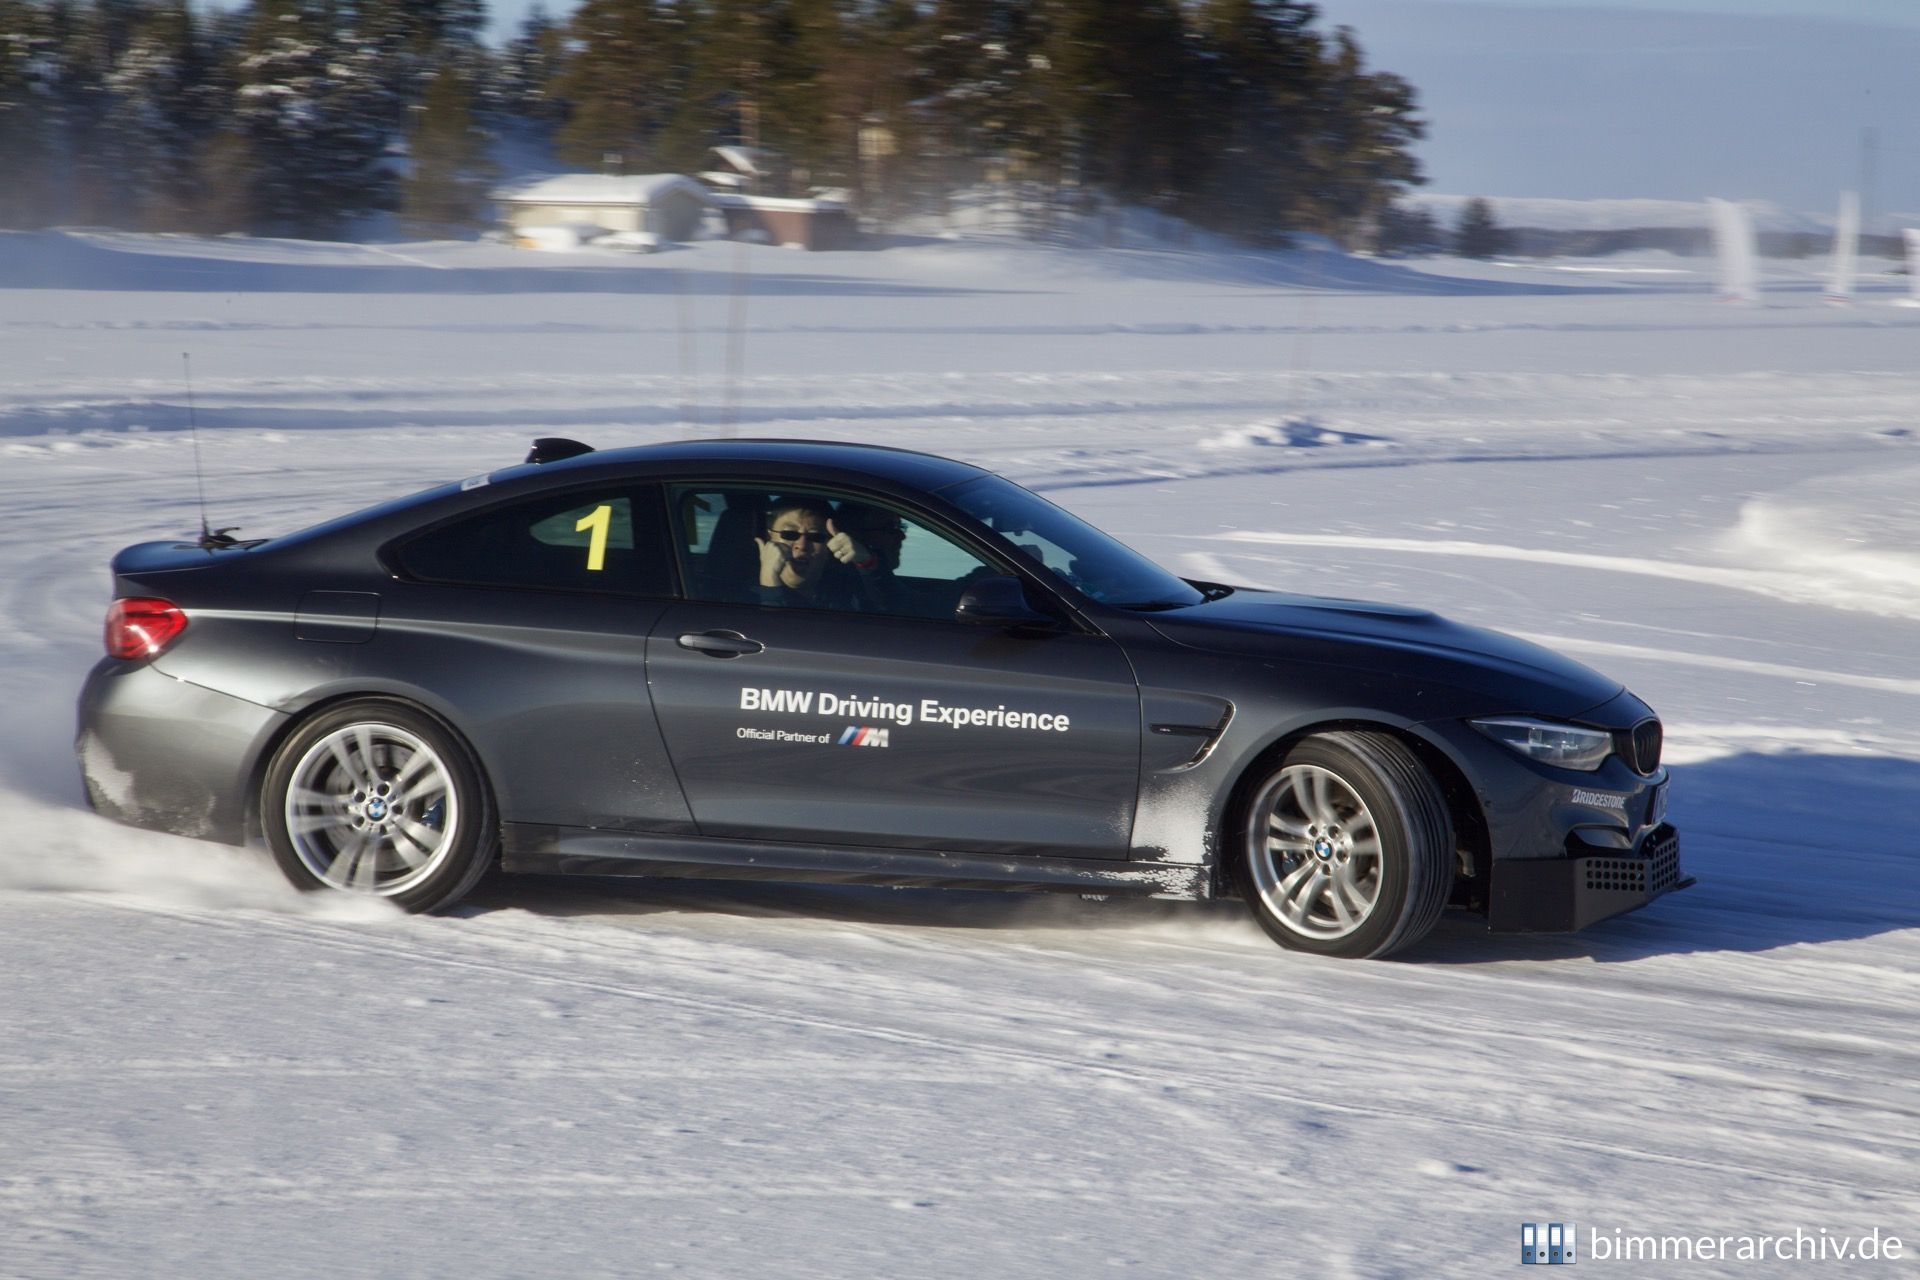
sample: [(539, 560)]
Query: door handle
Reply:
[(720, 644)]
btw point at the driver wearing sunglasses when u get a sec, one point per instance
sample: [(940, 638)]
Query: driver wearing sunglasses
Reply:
[(801, 549)]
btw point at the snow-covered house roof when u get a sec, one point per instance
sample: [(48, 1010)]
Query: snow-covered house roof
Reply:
[(744, 160), (586, 189), (808, 204)]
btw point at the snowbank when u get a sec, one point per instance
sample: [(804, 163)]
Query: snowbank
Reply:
[(1612, 215)]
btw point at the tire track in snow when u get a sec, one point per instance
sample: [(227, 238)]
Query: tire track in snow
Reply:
[(1811, 675), (1143, 1077), (199, 1187), (439, 1066), (1772, 583)]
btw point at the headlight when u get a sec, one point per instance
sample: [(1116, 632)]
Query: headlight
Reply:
[(1565, 746)]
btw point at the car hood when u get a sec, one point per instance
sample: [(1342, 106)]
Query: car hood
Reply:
[(1512, 675)]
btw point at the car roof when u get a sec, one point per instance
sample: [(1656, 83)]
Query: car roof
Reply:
[(924, 471), (819, 461)]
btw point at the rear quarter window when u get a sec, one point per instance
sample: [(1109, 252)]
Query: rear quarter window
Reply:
[(610, 541)]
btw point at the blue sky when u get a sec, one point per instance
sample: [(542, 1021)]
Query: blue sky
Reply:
[(1889, 12), (1745, 99)]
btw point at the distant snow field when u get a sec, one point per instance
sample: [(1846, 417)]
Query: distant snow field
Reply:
[(205, 1075)]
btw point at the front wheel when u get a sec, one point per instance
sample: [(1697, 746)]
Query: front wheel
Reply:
[(1347, 849), (375, 797)]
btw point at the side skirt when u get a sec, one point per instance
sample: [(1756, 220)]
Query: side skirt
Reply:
[(546, 850)]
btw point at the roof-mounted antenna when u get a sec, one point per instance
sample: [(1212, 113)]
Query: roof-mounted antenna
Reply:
[(555, 449), (211, 539)]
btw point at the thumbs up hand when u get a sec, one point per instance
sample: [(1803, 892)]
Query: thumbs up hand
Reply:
[(845, 547)]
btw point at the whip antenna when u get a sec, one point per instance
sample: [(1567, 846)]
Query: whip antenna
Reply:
[(210, 538)]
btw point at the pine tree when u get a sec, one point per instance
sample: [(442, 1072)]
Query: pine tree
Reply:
[(1123, 77), (528, 71), (1263, 73), (405, 44), (623, 80), (1408, 229), (989, 86), (445, 190), (305, 150), (730, 67), (67, 71), (161, 108), (804, 91), (1358, 159), (1478, 235), (26, 141), (771, 75), (892, 138), (94, 36), (356, 129)]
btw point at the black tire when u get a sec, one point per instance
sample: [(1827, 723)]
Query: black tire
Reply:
[(1346, 848), (375, 796)]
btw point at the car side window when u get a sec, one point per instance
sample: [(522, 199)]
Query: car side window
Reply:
[(606, 541), (812, 548)]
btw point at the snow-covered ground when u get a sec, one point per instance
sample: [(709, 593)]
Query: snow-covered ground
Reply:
[(202, 1075)]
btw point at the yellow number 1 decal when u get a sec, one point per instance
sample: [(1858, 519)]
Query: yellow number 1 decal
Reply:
[(598, 520)]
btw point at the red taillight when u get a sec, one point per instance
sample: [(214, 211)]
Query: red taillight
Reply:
[(141, 626)]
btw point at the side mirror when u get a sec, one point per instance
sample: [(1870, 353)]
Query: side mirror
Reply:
[(1000, 602)]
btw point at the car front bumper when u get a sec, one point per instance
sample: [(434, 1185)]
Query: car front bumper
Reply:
[(1562, 895)]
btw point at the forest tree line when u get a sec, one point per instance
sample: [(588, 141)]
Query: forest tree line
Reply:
[(303, 117)]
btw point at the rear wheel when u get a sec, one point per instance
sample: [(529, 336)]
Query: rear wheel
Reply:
[(1347, 849), (375, 797)]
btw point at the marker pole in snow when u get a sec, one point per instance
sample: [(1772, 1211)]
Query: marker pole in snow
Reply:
[(1846, 243), (736, 337), (1734, 246), (1911, 237), (689, 367)]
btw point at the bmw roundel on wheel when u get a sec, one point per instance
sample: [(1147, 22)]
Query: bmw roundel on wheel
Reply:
[(807, 661)]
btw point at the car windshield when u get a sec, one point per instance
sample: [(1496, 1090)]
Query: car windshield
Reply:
[(1090, 561)]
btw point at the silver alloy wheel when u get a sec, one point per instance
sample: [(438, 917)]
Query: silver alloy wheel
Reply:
[(1314, 852), (370, 808)]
